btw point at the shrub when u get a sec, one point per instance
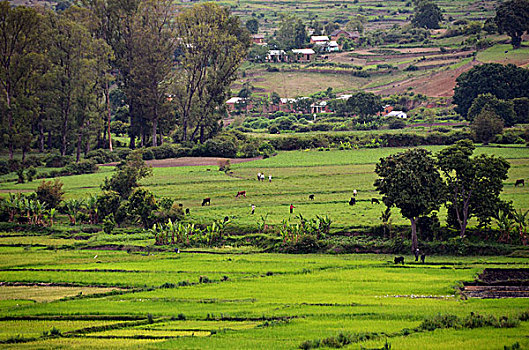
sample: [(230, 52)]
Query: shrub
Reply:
[(123, 153), (102, 156), (127, 178), (108, 203), (30, 174), (57, 161), (83, 167), (4, 167), (147, 154), (164, 151), (21, 177), (33, 161), (109, 224), (222, 147), (50, 192), (14, 164), (142, 204)]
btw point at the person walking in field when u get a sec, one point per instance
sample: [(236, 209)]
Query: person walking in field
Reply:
[(258, 176), (253, 209), (269, 178), (262, 177), (292, 208)]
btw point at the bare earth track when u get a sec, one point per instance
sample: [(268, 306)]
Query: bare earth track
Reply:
[(189, 161)]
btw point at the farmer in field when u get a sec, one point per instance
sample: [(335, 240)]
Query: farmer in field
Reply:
[(253, 209), (262, 177), (269, 178), (354, 193), (291, 208), (258, 176)]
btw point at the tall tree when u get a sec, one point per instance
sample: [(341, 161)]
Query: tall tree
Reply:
[(410, 181), (473, 183), (211, 46), (252, 25), (504, 109), (153, 62), (427, 15), (503, 81), (364, 104), (19, 37), (486, 125), (512, 17), (286, 32)]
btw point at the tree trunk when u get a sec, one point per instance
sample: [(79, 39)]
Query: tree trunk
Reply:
[(414, 241), (79, 141), (107, 97), (41, 137), (9, 121), (155, 132), (49, 140)]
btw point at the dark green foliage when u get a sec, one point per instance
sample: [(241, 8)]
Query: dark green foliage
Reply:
[(141, 204), (504, 109), (521, 109), (220, 147), (4, 167), (128, 176), (50, 192), (30, 174), (102, 156), (109, 224), (82, 167), (410, 181), (364, 104), (427, 15), (512, 17), (108, 203), (505, 82), (486, 126), (474, 184), (57, 161)]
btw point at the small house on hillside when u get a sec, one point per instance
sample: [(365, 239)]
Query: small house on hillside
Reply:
[(320, 107), (236, 103), (303, 55), (319, 39), (258, 39), (339, 33), (276, 56), (398, 114)]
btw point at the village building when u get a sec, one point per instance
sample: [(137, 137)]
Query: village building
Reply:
[(258, 39), (398, 114), (276, 56), (339, 33), (320, 107), (315, 39), (303, 55)]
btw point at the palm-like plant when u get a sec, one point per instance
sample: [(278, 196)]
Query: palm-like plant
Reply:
[(73, 206), (520, 218), (505, 225), (91, 207)]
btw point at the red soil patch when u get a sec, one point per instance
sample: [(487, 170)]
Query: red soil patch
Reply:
[(190, 161)]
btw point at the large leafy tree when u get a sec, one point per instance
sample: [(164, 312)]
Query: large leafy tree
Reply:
[(364, 104), (427, 15), (512, 17), (410, 181), (503, 81), (504, 109), (19, 42), (211, 45), (486, 125), (474, 183), (252, 25)]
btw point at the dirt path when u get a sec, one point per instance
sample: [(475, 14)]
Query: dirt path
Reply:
[(189, 161)]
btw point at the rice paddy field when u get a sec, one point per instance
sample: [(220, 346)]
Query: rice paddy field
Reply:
[(57, 292), (273, 301)]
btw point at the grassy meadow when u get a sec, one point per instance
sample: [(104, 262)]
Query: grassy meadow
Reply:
[(330, 175), (56, 293)]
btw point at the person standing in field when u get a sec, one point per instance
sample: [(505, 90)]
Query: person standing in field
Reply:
[(258, 176), (291, 208), (253, 208), (269, 178), (354, 193), (262, 177)]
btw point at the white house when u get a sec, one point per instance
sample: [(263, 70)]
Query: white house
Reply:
[(398, 114)]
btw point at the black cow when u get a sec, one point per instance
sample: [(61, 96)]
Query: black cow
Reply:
[(206, 201), (187, 211), (375, 201), (311, 197), (423, 256), (399, 259), (352, 201), (520, 182)]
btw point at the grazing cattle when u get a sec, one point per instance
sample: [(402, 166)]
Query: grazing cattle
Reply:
[(399, 259), (423, 256), (206, 201), (519, 182), (375, 201), (352, 201), (187, 211), (241, 193), (311, 197), (226, 219)]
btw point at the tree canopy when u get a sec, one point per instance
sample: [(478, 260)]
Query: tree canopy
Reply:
[(410, 181), (427, 15), (512, 17), (474, 184), (364, 104), (502, 81)]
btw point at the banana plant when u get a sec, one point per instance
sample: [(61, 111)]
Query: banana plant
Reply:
[(520, 218), (91, 207), (505, 225), (73, 206)]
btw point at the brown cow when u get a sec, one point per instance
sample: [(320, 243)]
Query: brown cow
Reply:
[(241, 193)]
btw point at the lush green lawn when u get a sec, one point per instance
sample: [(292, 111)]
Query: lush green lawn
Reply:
[(265, 300)]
